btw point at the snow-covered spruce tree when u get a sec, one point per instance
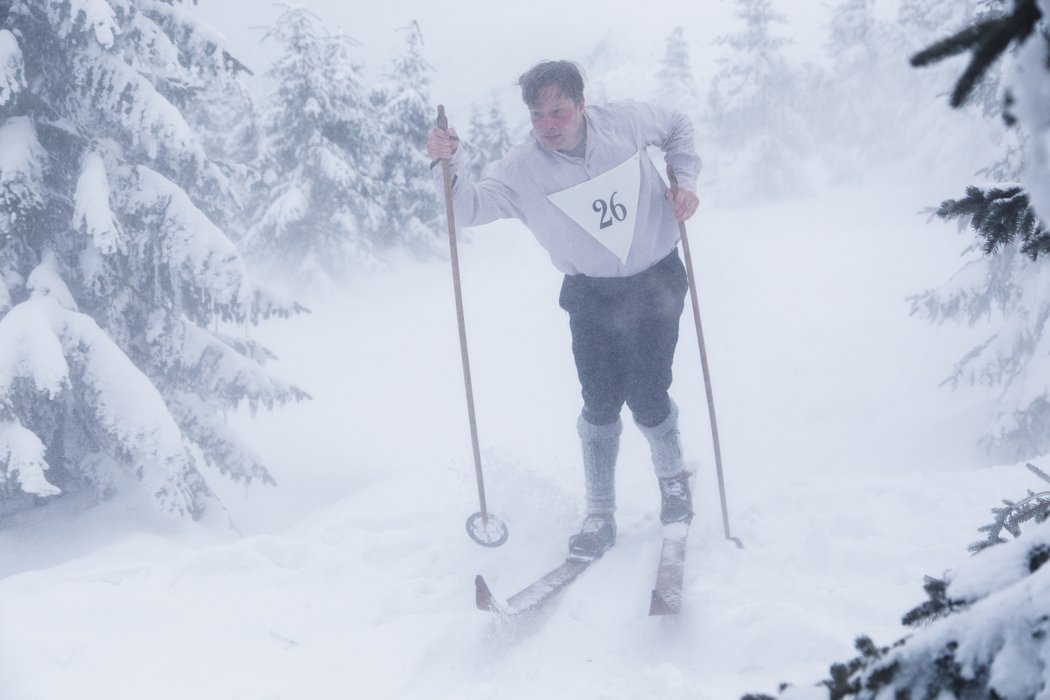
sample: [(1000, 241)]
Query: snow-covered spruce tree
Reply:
[(755, 114), (406, 116), (314, 213), (676, 85), (1006, 279), (489, 136), (117, 284), (864, 88), (227, 118), (853, 34), (982, 634), (225, 115)]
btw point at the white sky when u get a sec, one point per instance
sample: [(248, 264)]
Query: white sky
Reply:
[(478, 48)]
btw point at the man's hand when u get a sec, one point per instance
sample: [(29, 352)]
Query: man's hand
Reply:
[(684, 204), (442, 144)]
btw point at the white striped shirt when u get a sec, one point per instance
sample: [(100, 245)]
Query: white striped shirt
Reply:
[(518, 186)]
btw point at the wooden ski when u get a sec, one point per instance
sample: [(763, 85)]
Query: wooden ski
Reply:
[(535, 595), (667, 595)]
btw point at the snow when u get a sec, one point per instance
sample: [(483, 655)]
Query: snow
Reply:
[(850, 472), (286, 209), (204, 36), (57, 349), (95, 16), (23, 454), (850, 475), (29, 349), (199, 252), (91, 210), (20, 152), (137, 109), (1032, 92), (1006, 623), (5, 296), (12, 76)]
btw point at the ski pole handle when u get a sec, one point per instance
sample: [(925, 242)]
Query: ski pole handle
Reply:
[(442, 123), (673, 179)]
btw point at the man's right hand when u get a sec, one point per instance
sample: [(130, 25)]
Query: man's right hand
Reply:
[(442, 144)]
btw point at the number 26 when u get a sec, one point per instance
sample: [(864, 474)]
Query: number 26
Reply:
[(609, 210)]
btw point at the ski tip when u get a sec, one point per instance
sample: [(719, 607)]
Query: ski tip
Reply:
[(483, 596), (659, 605)]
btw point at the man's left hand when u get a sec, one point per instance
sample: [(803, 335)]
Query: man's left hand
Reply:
[(685, 203)]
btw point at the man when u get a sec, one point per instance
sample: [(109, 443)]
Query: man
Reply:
[(585, 187)]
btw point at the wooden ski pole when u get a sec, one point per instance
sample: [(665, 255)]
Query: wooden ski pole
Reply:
[(703, 364), (483, 527)]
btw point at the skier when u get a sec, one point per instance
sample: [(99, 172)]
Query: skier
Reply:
[(585, 187)]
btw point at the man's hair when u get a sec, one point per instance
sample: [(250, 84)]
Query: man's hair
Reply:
[(566, 75)]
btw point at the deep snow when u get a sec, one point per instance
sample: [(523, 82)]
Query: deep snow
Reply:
[(850, 475)]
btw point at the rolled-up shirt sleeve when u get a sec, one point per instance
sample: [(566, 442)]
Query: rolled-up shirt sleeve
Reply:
[(476, 203)]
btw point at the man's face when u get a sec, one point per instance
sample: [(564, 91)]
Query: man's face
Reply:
[(557, 119)]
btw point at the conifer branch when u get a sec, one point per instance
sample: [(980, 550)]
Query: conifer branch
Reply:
[(955, 44), (987, 40), (984, 55), (1038, 472), (999, 216), (937, 605)]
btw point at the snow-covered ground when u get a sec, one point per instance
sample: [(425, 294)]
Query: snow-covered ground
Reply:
[(850, 475)]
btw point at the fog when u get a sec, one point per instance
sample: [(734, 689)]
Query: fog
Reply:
[(477, 49)]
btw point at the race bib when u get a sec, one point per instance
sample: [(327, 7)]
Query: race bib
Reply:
[(606, 206)]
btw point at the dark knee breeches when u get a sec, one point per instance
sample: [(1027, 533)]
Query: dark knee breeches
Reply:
[(624, 333)]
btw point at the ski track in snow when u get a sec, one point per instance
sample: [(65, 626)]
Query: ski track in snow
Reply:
[(850, 475)]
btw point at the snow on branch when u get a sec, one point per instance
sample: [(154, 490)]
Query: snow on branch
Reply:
[(91, 206), (6, 302), (29, 349), (1013, 514), (45, 280), (289, 205), (61, 350), (267, 303), (95, 17), (153, 49), (21, 170), (21, 154), (983, 634), (22, 460), (196, 253), (129, 408), (134, 106), (202, 362), (219, 444), (12, 68), (198, 43)]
